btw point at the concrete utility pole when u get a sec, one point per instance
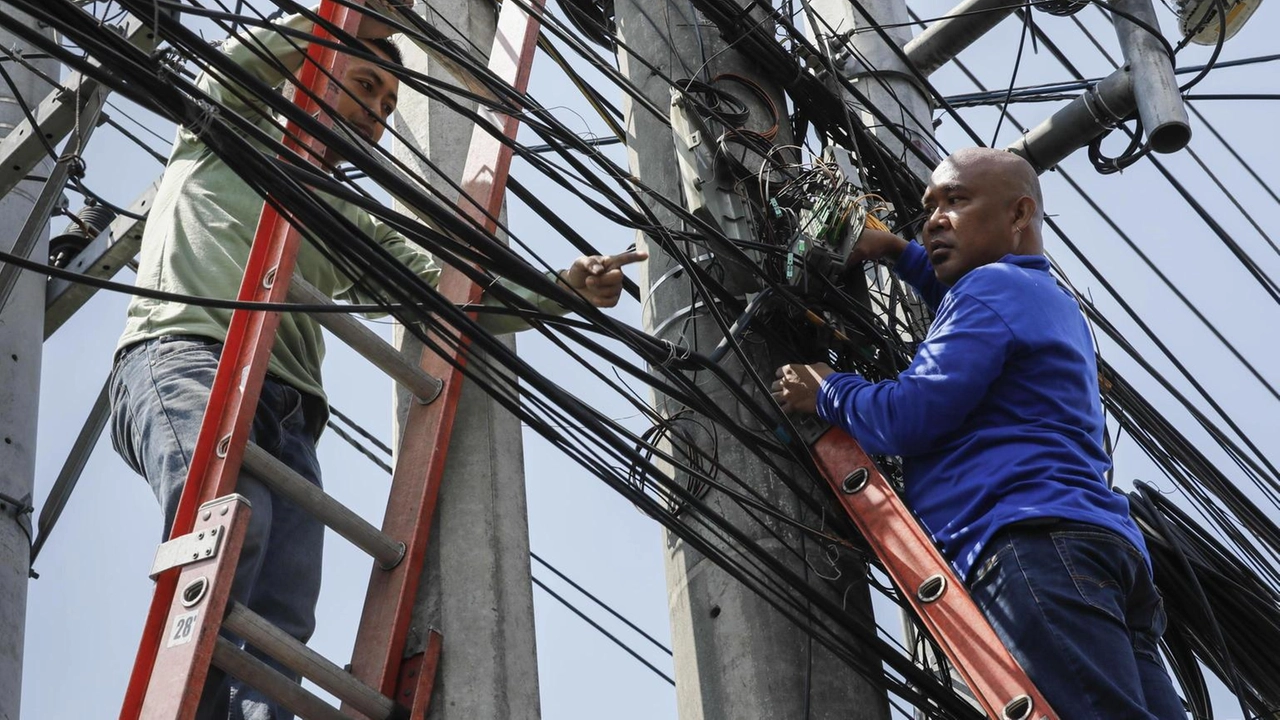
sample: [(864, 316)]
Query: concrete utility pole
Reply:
[(21, 336), (879, 73), (476, 587), (887, 81), (735, 656)]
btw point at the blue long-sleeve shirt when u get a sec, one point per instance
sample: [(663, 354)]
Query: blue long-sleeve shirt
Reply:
[(997, 419)]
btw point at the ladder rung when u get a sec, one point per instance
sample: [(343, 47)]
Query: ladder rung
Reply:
[(308, 663), (280, 478), (271, 683), (367, 343)]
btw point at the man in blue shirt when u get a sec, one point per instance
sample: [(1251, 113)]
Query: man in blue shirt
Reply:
[(1000, 428)]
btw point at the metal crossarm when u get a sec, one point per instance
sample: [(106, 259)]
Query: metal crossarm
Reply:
[(928, 583), (380, 641), (215, 462)]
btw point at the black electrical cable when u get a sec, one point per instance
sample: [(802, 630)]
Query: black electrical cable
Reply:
[(600, 629), (1013, 77), (989, 97), (605, 606)]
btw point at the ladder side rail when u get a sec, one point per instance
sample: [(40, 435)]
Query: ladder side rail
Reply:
[(196, 609), (216, 459), (927, 581), (384, 623)]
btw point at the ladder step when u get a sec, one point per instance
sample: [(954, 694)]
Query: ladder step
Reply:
[(367, 343), (267, 680), (280, 478), (308, 663)]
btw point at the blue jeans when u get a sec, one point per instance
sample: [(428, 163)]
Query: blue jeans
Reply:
[(159, 389), (1076, 606)]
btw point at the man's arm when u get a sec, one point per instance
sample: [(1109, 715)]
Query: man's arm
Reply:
[(914, 268), (424, 265), (911, 263), (948, 378), (267, 54), (597, 278)]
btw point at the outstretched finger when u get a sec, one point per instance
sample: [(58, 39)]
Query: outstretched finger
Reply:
[(626, 258)]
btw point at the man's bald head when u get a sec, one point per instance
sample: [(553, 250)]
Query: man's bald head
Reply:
[(1006, 172), (981, 204)]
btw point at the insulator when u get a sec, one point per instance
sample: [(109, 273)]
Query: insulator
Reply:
[(93, 220)]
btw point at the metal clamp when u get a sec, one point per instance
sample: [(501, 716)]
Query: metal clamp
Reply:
[(201, 545)]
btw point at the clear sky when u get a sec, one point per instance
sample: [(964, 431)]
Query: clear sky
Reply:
[(86, 610)]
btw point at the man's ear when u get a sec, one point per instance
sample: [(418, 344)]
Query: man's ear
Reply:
[(1024, 213)]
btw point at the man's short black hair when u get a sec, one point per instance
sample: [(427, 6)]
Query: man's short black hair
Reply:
[(387, 47)]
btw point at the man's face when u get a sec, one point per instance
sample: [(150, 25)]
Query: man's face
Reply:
[(969, 219), (373, 87)]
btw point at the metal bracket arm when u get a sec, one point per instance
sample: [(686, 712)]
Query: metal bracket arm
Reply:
[(56, 116), (102, 258)]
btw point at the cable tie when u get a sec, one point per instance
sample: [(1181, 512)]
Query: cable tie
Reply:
[(674, 352), (207, 111)]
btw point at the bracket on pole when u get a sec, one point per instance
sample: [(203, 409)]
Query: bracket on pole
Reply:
[(709, 194), (1146, 84), (101, 258), (943, 40), (1092, 114)]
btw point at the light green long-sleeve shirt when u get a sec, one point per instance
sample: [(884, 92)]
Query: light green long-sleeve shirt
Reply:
[(199, 232)]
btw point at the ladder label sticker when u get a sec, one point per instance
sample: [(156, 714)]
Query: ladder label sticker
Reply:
[(184, 629)]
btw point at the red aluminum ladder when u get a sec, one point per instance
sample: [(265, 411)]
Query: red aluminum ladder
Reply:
[(181, 635), (927, 581)]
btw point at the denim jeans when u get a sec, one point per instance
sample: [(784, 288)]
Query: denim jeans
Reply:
[(1076, 606), (159, 389)]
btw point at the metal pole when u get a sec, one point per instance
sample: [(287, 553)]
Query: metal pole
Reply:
[(938, 44), (1160, 107), (1096, 111), (476, 587), (881, 75), (735, 656), (21, 335)]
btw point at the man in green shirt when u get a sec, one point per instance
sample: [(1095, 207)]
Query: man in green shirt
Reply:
[(196, 242)]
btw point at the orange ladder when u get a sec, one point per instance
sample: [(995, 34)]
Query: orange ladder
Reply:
[(927, 581), (194, 569)]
